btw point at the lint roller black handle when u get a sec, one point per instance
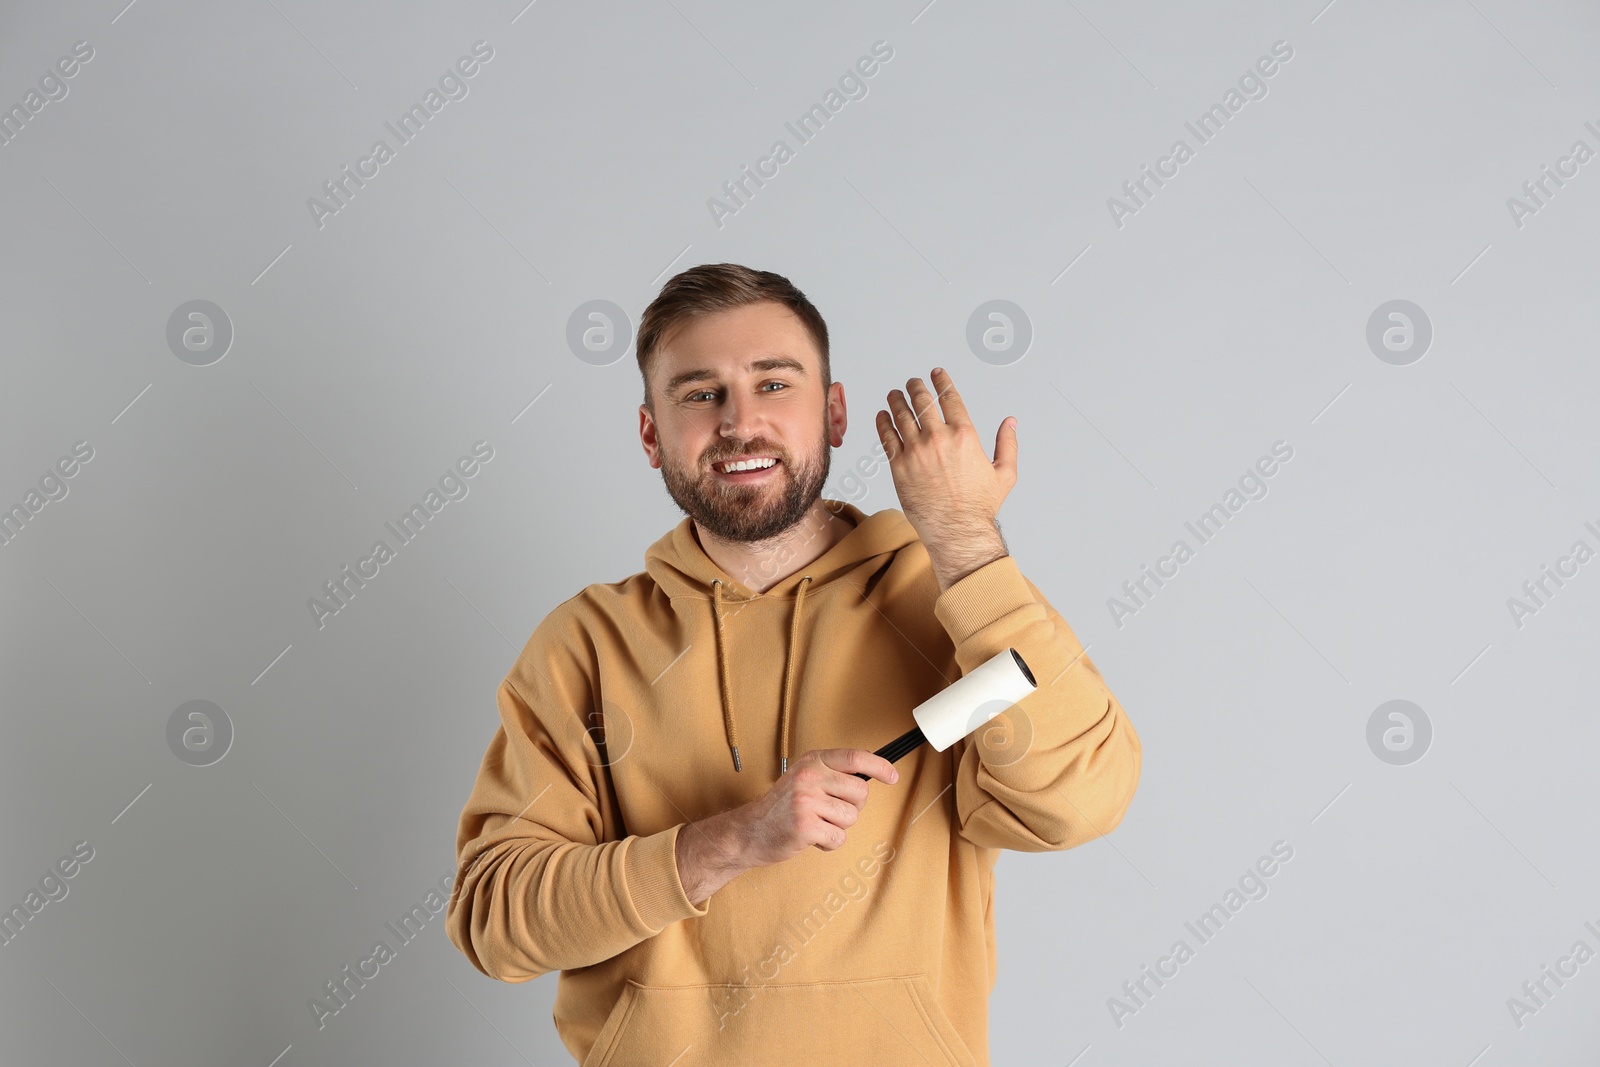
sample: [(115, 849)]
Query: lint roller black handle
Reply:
[(898, 747)]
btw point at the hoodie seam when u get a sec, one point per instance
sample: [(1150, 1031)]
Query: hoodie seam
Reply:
[(533, 709)]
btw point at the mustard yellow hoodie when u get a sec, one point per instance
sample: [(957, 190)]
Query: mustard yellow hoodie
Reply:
[(641, 705)]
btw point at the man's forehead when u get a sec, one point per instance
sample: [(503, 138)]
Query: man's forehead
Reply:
[(742, 331), (753, 339)]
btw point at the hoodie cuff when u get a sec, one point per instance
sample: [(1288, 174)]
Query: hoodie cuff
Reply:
[(981, 599), (650, 875)]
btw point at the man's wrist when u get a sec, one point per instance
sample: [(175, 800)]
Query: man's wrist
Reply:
[(725, 851), (708, 856), (951, 564)]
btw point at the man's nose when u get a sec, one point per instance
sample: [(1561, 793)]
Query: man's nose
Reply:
[(740, 420)]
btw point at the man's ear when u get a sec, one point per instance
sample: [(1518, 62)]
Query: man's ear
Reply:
[(647, 437), (837, 419)]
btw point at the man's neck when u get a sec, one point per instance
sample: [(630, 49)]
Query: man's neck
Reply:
[(760, 565)]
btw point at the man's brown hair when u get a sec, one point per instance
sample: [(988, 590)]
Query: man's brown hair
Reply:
[(714, 287)]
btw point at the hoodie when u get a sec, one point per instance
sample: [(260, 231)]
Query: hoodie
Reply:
[(642, 705)]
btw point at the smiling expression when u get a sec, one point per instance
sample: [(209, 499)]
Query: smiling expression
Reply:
[(742, 386)]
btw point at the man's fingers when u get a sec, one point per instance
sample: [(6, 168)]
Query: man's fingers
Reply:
[(840, 813), (859, 761), (835, 817), (923, 402), (905, 420), (955, 409), (1005, 448), (889, 435)]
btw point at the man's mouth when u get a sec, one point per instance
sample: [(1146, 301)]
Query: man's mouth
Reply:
[(746, 468)]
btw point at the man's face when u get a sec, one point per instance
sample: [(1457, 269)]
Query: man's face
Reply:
[(742, 383)]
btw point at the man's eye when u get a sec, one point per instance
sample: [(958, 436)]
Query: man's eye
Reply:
[(707, 392)]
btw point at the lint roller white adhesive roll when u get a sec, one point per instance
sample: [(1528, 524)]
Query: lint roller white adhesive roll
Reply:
[(988, 689), (973, 699)]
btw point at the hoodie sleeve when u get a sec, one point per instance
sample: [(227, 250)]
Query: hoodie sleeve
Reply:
[(543, 882), (1061, 766)]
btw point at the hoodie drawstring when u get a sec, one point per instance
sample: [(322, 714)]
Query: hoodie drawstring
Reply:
[(722, 675), (788, 673), (784, 727)]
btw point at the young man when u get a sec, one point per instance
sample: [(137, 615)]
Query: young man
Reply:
[(670, 812)]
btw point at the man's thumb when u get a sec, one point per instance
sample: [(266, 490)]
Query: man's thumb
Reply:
[(1005, 445)]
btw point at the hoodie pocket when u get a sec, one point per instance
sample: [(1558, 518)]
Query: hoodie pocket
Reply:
[(883, 1021)]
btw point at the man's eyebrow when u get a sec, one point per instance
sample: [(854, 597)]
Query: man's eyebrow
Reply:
[(771, 363)]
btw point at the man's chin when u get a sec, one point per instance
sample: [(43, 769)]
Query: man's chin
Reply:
[(734, 523), (753, 513)]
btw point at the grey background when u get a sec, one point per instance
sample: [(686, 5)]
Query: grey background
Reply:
[(369, 354)]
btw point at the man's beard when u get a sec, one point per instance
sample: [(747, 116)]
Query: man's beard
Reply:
[(749, 513)]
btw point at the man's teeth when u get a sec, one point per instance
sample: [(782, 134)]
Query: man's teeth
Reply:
[(747, 465)]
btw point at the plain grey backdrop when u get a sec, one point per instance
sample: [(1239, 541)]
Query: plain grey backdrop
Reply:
[(1420, 545)]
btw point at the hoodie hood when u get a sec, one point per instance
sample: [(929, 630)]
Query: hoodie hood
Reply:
[(680, 568)]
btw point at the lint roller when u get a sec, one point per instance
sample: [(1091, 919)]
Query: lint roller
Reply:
[(957, 710)]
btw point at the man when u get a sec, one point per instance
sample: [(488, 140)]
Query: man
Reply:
[(671, 813)]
